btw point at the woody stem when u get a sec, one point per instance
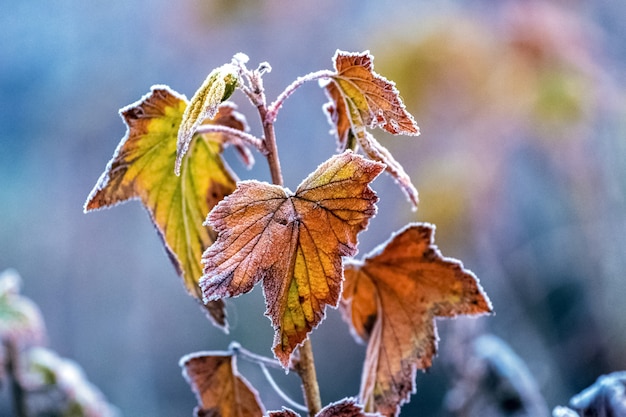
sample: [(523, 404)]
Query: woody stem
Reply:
[(271, 148), (305, 367)]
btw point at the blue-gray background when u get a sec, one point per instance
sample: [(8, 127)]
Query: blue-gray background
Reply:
[(521, 164)]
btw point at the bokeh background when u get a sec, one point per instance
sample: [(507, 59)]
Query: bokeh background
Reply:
[(521, 165)]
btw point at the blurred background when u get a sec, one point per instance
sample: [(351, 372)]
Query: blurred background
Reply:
[(521, 165)]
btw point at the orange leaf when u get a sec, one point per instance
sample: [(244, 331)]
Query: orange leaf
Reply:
[(361, 98), (143, 168), (293, 241), (391, 300), (219, 388)]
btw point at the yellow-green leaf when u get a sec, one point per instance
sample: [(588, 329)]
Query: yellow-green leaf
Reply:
[(218, 86), (142, 168), (293, 242)]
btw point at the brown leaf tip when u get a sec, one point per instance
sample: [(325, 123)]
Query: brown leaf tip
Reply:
[(475, 300), (135, 116)]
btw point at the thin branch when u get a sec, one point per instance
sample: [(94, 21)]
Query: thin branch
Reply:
[(236, 133), (263, 363), (305, 367), (280, 392), (244, 353), (257, 96), (272, 149), (291, 88)]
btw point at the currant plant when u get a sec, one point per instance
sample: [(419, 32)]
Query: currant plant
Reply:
[(224, 236)]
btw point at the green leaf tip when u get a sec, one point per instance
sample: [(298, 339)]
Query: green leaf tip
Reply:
[(218, 86)]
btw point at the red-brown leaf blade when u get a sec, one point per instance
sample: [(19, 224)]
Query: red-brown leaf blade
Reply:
[(391, 300)]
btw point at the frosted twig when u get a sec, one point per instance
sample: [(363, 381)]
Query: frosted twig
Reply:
[(273, 108), (244, 353), (238, 134)]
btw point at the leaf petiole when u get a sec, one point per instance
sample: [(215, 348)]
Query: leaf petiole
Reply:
[(280, 392), (233, 135), (236, 349), (273, 108)]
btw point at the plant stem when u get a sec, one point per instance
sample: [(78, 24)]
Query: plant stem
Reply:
[(306, 369), (244, 353), (234, 133), (270, 144), (306, 364)]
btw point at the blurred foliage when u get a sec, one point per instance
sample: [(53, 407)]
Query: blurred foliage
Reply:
[(41, 383), (490, 380), (20, 319)]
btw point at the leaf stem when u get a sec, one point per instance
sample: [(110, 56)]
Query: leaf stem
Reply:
[(256, 94), (234, 133), (279, 391), (244, 353), (277, 104), (263, 363), (272, 149)]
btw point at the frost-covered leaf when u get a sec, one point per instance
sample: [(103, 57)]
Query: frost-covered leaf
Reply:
[(342, 408), (560, 411), (391, 299), (285, 412), (347, 407), (293, 242), (218, 86), (360, 99), (21, 321), (220, 389), (142, 168)]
